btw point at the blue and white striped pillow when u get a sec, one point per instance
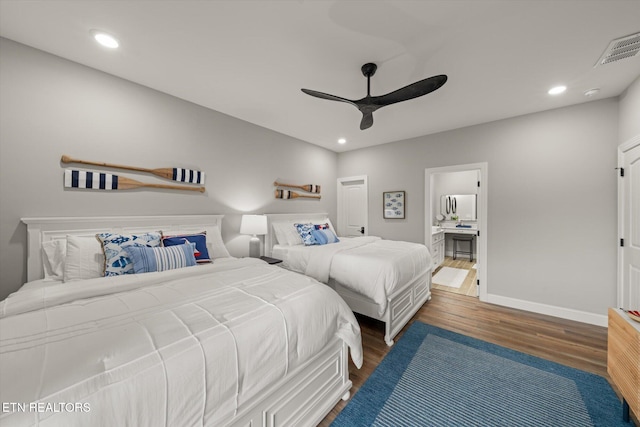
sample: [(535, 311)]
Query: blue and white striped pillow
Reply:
[(147, 260)]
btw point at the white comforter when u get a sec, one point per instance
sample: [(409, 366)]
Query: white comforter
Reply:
[(181, 347), (371, 266)]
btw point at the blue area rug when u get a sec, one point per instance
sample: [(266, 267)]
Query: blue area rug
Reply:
[(434, 377)]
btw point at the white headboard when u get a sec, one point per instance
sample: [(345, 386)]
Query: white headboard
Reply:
[(41, 230), (270, 238)]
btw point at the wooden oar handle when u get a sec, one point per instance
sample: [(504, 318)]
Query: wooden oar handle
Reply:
[(286, 194), (280, 184), (174, 187), (68, 159), (310, 188)]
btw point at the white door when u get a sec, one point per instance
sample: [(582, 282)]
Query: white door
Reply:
[(629, 291), (353, 209)]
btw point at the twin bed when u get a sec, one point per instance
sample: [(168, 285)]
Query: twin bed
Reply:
[(232, 342), (383, 279), (235, 342)]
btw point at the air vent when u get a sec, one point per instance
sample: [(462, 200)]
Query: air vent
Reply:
[(625, 47)]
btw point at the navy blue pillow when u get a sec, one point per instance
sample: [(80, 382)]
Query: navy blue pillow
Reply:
[(200, 239)]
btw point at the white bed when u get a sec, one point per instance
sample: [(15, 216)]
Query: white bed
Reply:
[(382, 279), (236, 342)]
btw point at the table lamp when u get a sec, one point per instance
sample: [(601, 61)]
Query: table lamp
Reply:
[(254, 225)]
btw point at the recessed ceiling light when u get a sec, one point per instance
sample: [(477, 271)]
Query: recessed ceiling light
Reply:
[(105, 39), (342, 141), (557, 90), (591, 92)]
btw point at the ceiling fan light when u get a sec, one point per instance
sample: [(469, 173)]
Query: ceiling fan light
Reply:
[(557, 90), (105, 39)]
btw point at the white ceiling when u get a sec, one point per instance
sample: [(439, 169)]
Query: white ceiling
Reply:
[(249, 59)]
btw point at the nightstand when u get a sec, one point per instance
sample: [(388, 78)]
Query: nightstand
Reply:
[(270, 260)]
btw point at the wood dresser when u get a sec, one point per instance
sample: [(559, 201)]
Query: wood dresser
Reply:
[(623, 359)]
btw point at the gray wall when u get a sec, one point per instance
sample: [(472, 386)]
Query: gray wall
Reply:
[(551, 199), (630, 112), (552, 193), (51, 106)]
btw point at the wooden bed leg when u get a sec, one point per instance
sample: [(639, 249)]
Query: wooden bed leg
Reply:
[(388, 341), (346, 396)]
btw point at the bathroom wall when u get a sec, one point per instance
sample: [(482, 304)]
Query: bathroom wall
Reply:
[(465, 182)]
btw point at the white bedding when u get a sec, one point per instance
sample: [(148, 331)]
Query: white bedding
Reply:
[(180, 347), (40, 283), (371, 266)]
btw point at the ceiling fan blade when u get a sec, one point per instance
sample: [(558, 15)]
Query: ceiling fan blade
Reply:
[(411, 91), (367, 121), (328, 96)]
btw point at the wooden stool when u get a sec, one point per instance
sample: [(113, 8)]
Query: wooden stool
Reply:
[(463, 238)]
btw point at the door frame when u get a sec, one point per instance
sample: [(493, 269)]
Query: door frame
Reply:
[(481, 241), (622, 232), (340, 207)]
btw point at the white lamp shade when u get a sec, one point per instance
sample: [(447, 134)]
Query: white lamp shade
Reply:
[(253, 224)]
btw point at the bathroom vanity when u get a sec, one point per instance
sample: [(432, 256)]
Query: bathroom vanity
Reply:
[(439, 238), (437, 247)]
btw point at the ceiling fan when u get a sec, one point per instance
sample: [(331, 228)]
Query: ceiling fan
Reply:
[(369, 104)]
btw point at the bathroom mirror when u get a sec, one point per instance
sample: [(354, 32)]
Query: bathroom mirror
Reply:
[(461, 205)]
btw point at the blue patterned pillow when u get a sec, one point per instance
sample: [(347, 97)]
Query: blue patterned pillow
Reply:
[(324, 235), (305, 232), (116, 259), (200, 239), (147, 260)]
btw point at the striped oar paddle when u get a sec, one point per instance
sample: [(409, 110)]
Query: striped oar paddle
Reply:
[(176, 174), (286, 194), (105, 181), (310, 188)]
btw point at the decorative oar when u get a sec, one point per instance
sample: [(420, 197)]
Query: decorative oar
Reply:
[(310, 188), (286, 194), (105, 181), (176, 174)]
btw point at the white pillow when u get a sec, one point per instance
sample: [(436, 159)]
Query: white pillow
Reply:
[(287, 234), (84, 260), (53, 260), (215, 244)]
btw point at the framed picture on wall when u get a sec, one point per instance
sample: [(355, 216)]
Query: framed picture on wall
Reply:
[(393, 204)]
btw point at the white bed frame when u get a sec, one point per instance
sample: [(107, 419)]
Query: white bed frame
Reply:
[(401, 305), (303, 398)]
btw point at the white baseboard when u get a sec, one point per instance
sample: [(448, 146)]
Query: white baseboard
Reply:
[(550, 310)]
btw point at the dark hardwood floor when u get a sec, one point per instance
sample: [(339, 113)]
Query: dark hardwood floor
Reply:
[(570, 343)]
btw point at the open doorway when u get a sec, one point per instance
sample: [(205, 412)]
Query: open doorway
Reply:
[(456, 227)]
